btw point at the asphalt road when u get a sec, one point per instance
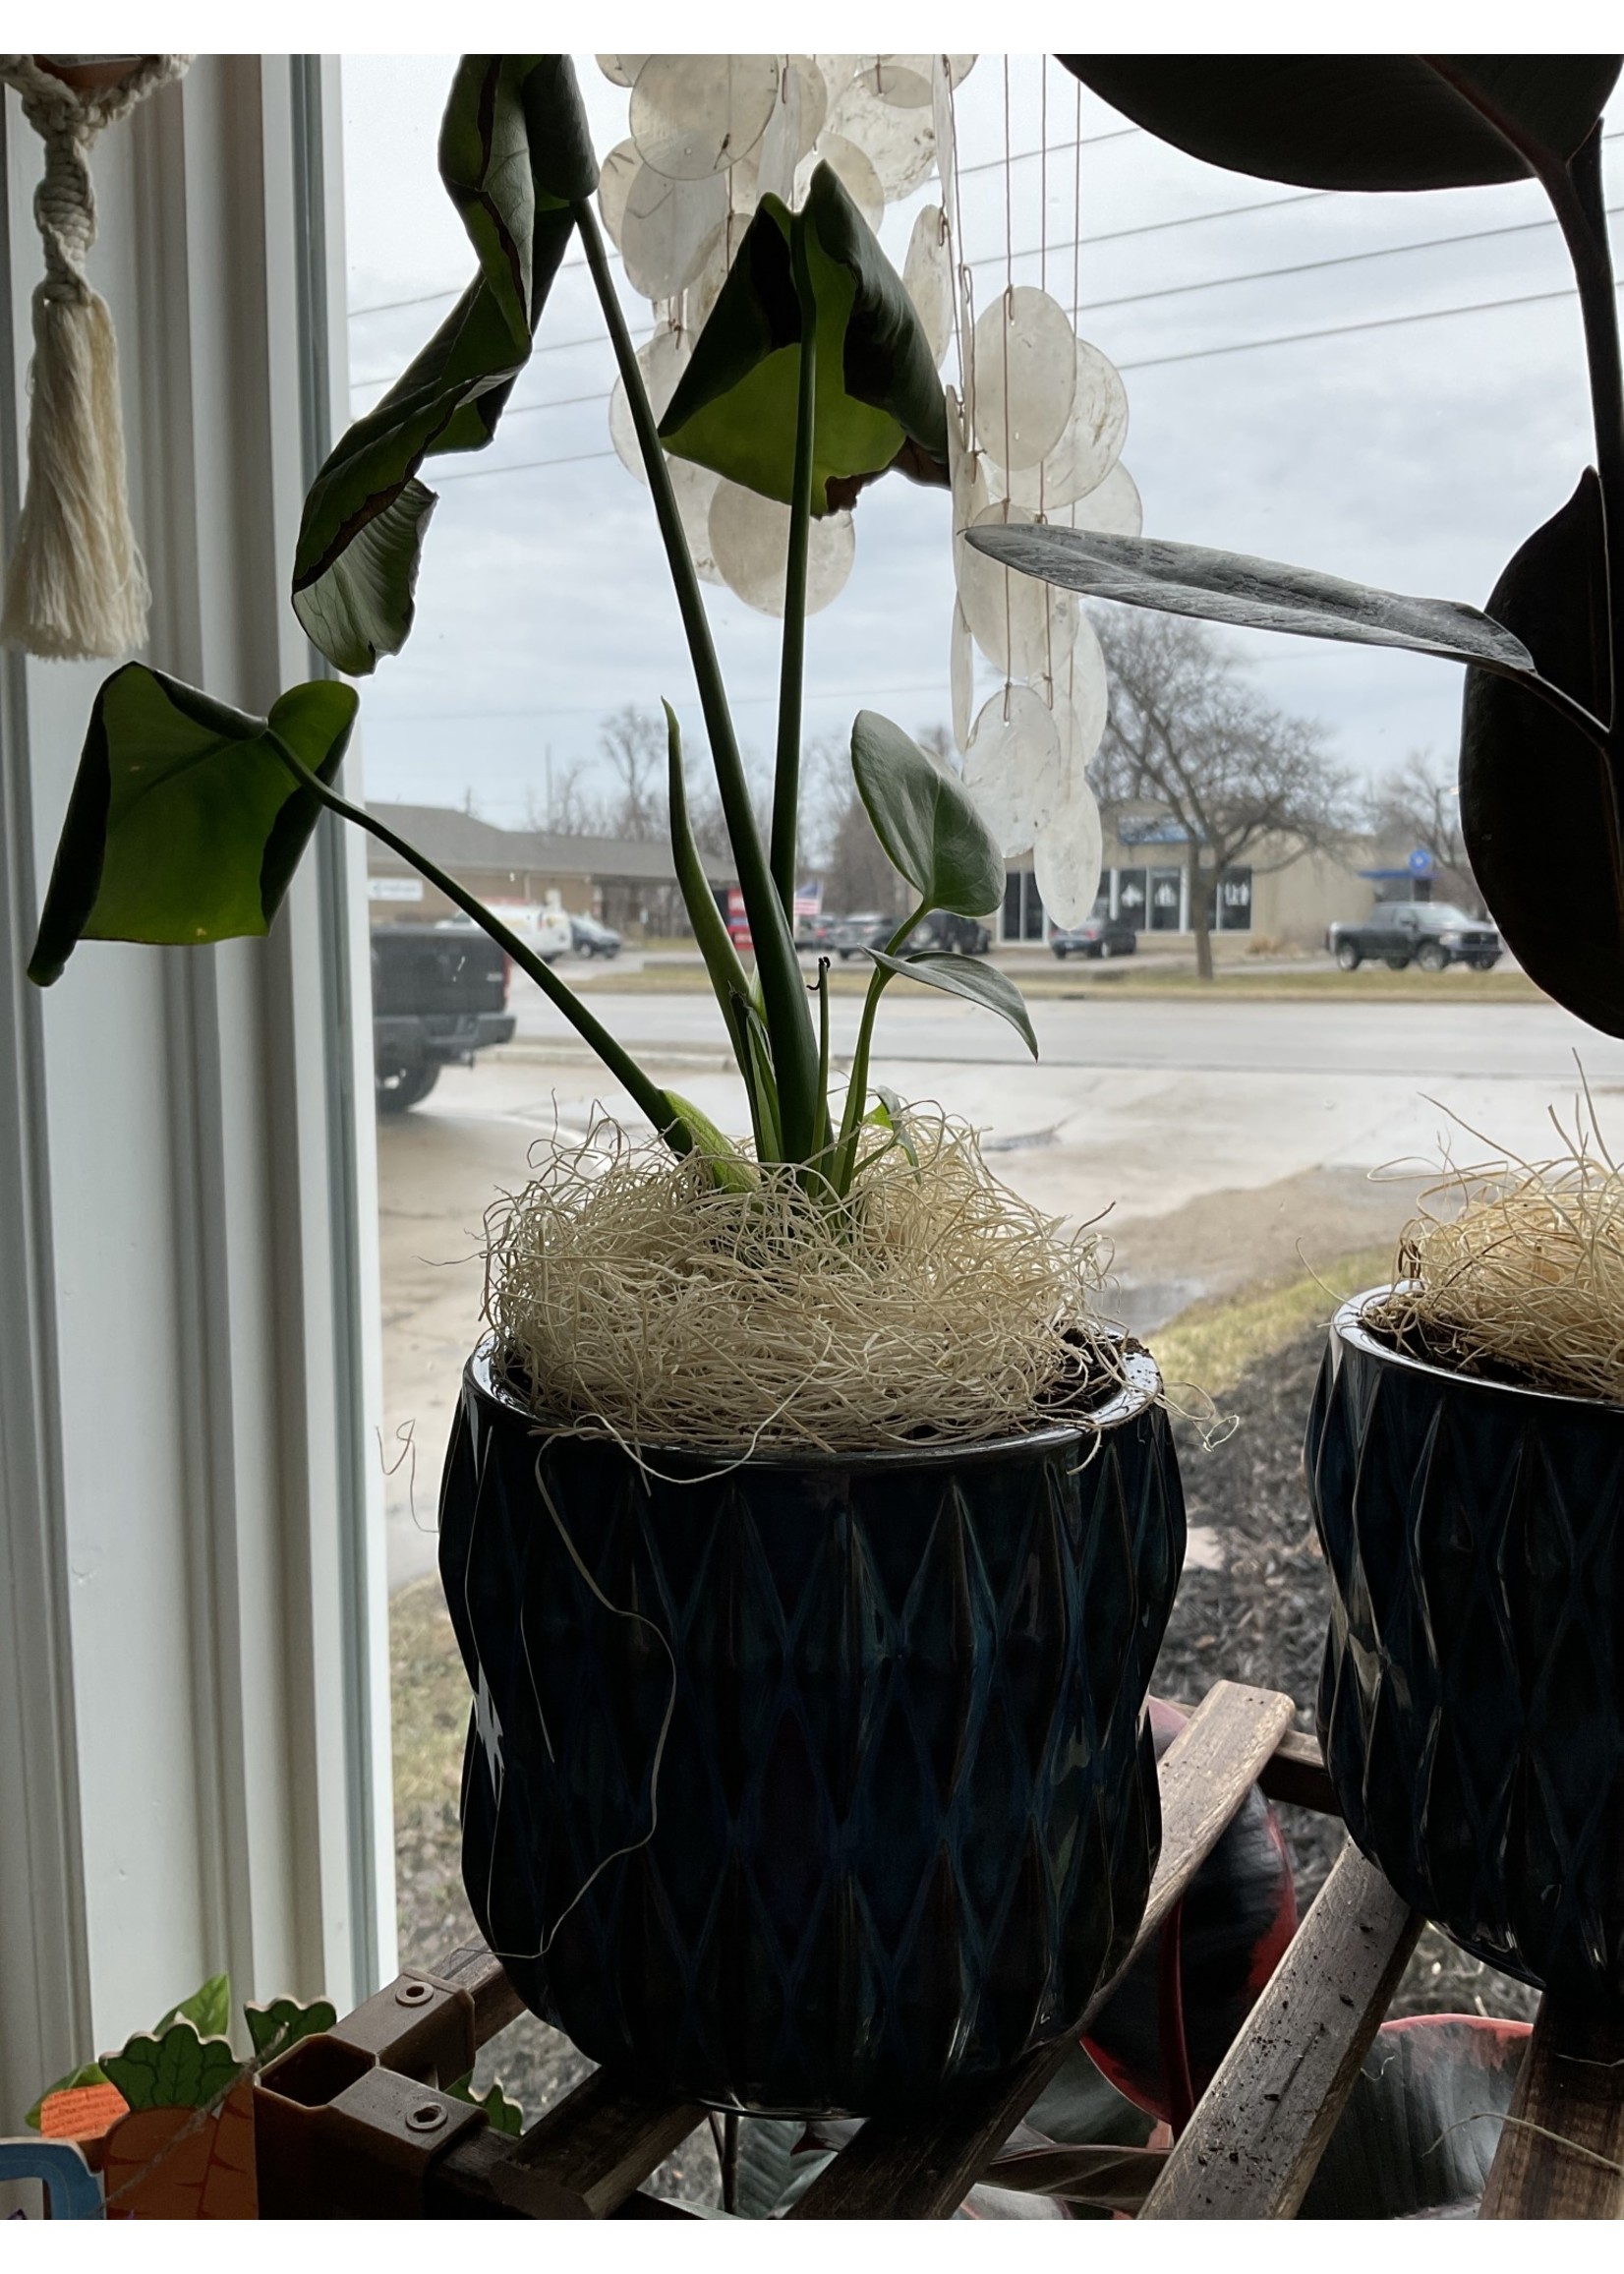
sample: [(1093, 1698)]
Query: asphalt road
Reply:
[(1217, 1142)]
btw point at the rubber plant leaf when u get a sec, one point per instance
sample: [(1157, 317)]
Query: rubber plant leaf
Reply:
[(975, 982), (276, 2027), (92, 2072), (177, 2070), (1422, 2122), (1536, 797), (501, 2114), (184, 825), (515, 155), (879, 401), (1359, 122), (1260, 595), (208, 2010), (926, 820)]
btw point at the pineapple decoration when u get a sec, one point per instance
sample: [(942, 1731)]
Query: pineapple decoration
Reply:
[(1036, 423)]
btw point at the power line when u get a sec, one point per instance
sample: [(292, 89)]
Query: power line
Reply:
[(571, 710), (526, 465)]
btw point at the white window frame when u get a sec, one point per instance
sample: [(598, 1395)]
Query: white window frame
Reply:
[(193, 1699)]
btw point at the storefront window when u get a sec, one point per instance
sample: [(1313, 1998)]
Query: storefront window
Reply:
[(1165, 895)]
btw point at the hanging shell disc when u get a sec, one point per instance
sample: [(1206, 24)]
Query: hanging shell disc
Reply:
[(927, 279), (1113, 509), (1025, 375), (616, 177), (667, 228), (1082, 700), (621, 70), (661, 360), (1090, 445), (693, 115), (1067, 854), (1013, 768), (855, 168), (750, 545), (901, 143), (902, 81), (961, 677), (1019, 623), (695, 487)]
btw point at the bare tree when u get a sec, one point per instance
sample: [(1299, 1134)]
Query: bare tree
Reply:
[(570, 810), (633, 741), (1418, 806), (1239, 778)]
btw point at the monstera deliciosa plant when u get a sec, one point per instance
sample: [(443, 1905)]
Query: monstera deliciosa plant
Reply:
[(188, 818), (1541, 768)]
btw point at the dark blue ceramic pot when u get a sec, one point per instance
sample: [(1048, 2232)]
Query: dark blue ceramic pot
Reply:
[(820, 1784), (1471, 1699)]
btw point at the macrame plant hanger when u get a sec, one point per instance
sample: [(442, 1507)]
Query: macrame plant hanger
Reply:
[(75, 585)]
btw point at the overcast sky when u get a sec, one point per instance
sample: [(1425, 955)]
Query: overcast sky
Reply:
[(1414, 454)]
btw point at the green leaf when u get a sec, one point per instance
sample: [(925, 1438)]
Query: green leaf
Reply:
[(981, 983), (177, 2070), (92, 2072), (891, 1114), (1420, 2126), (275, 2028), (728, 1165), (1080, 2108), (515, 154), (1262, 594), (184, 823), (502, 2115), (1536, 799), (208, 2010), (766, 2162), (879, 399), (926, 820), (1357, 122)]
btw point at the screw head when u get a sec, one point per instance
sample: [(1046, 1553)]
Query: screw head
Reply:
[(412, 1993), (429, 2117)]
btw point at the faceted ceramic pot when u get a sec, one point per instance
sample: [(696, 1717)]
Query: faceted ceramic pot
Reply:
[(815, 1783), (1471, 1698)]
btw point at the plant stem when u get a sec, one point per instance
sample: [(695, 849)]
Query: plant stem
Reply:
[(846, 1161), (823, 1027), (788, 1017), (646, 1095), (791, 671)]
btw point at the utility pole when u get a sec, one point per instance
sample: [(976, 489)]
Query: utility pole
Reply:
[(549, 788)]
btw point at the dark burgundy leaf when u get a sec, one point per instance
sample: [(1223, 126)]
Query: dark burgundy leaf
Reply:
[(1420, 2127)]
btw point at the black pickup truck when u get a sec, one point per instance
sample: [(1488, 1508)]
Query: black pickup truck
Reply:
[(1428, 933), (440, 993)]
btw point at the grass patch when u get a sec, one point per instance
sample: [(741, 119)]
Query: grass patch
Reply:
[(1214, 1343), (429, 1693), (1075, 982)]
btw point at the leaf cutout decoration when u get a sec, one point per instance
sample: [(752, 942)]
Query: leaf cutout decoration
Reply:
[(515, 155), (1259, 595), (501, 2114), (1537, 799), (981, 983), (879, 399), (1357, 122), (177, 2070), (208, 2010), (184, 825), (273, 2029), (928, 823), (1420, 2126)]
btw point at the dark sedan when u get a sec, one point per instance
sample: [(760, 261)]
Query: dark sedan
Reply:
[(943, 933), (588, 937), (1099, 937)]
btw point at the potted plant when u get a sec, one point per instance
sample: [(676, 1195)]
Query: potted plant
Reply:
[(808, 1767), (1466, 1447)]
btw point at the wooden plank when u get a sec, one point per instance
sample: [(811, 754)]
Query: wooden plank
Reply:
[(496, 2001), (1297, 1773), (584, 2157), (924, 2168), (462, 2185), (1572, 2086), (1257, 2137)]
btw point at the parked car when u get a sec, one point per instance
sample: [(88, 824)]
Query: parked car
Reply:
[(1098, 937), (939, 931), (813, 934), (440, 993), (1430, 934), (589, 937), (545, 932)]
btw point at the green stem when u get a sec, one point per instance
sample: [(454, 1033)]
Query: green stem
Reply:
[(791, 671), (789, 1018), (726, 974), (646, 1095), (846, 1159)]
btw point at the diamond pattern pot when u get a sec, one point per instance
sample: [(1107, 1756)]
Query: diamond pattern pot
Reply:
[(819, 1784), (1471, 1698)]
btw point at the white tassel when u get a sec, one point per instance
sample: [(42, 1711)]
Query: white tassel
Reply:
[(76, 586)]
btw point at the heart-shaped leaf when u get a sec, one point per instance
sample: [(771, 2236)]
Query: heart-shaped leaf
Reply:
[(515, 155), (926, 820), (177, 2070), (184, 823), (1536, 802), (1359, 122), (879, 400), (275, 2028), (1262, 594), (981, 983), (1422, 2122)]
